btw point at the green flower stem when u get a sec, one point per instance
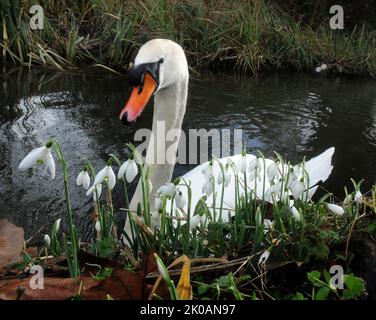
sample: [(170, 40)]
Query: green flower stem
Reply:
[(75, 270)]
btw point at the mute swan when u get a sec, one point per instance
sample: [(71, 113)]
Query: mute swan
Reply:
[(160, 69)]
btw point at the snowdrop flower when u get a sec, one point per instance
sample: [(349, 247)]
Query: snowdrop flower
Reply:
[(242, 164), (97, 226), (158, 203), (318, 69), (358, 197), (161, 268), (295, 172), (83, 179), (295, 214), (47, 240), (98, 191), (108, 173), (195, 221), (180, 201), (258, 217), (41, 155), (272, 171), (168, 189), (268, 224), (130, 169), (264, 257), (155, 220), (254, 165), (324, 66), (207, 171), (337, 210), (271, 192), (297, 187), (207, 187), (226, 175), (57, 225)]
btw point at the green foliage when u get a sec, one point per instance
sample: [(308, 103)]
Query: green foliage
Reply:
[(322, 288), (223, 286), (103, 274), (106, 248), (241, 35)]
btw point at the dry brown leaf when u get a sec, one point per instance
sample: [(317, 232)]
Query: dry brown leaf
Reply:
[(11, 243), (121, 285)]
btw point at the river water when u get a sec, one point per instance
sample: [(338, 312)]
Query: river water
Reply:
[(295, 114)]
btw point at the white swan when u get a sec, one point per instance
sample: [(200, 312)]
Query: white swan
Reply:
[(160, 69)]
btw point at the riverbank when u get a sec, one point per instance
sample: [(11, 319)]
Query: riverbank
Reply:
[(246, 36)]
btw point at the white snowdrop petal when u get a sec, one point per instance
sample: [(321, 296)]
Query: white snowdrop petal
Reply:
[(268, 224), (242, 165), (100, 176), (79, 178), (162, 270), (90, 190), (31, 158), (86, 180), (272, 171), (50, 162), (195, 221), (47, 240), (98, 226), (179, 200), (111, 177), (335, 209), (122, 169), (57, 225), (131, 171), (295, 213), (358, 197), (264, 257), (169, 190), (158, 203)]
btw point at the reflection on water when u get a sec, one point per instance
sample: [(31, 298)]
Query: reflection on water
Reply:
[(295, 115)]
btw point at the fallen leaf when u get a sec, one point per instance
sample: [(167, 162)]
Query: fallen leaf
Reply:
[(122, 285), (11, 243)]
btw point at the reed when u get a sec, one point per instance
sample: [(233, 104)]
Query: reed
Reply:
[(247, 36)]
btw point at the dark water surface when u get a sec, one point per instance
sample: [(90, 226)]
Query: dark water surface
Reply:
[(293, 114)]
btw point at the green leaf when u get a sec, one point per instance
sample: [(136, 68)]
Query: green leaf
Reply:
[(203, 288), (103, 274), (298, 296), (327, 276), (323, 293), (354, 287), (314, 278)]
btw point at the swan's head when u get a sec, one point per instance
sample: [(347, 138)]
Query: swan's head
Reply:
[(159, 64)]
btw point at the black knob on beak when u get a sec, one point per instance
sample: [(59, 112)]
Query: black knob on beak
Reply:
[(124, 119)]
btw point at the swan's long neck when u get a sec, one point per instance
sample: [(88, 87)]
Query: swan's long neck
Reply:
[(169, 110)]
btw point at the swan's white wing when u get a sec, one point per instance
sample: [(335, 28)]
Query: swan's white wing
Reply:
[(318, 168)]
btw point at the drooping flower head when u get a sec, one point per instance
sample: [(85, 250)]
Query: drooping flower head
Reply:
[(39, 156), (83, 179), (130, 169), (106, 173)]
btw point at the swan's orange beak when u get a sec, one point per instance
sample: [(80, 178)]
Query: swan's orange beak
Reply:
[(138, 100)]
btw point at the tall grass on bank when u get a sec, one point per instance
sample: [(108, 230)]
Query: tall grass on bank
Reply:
[(247, 36)]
